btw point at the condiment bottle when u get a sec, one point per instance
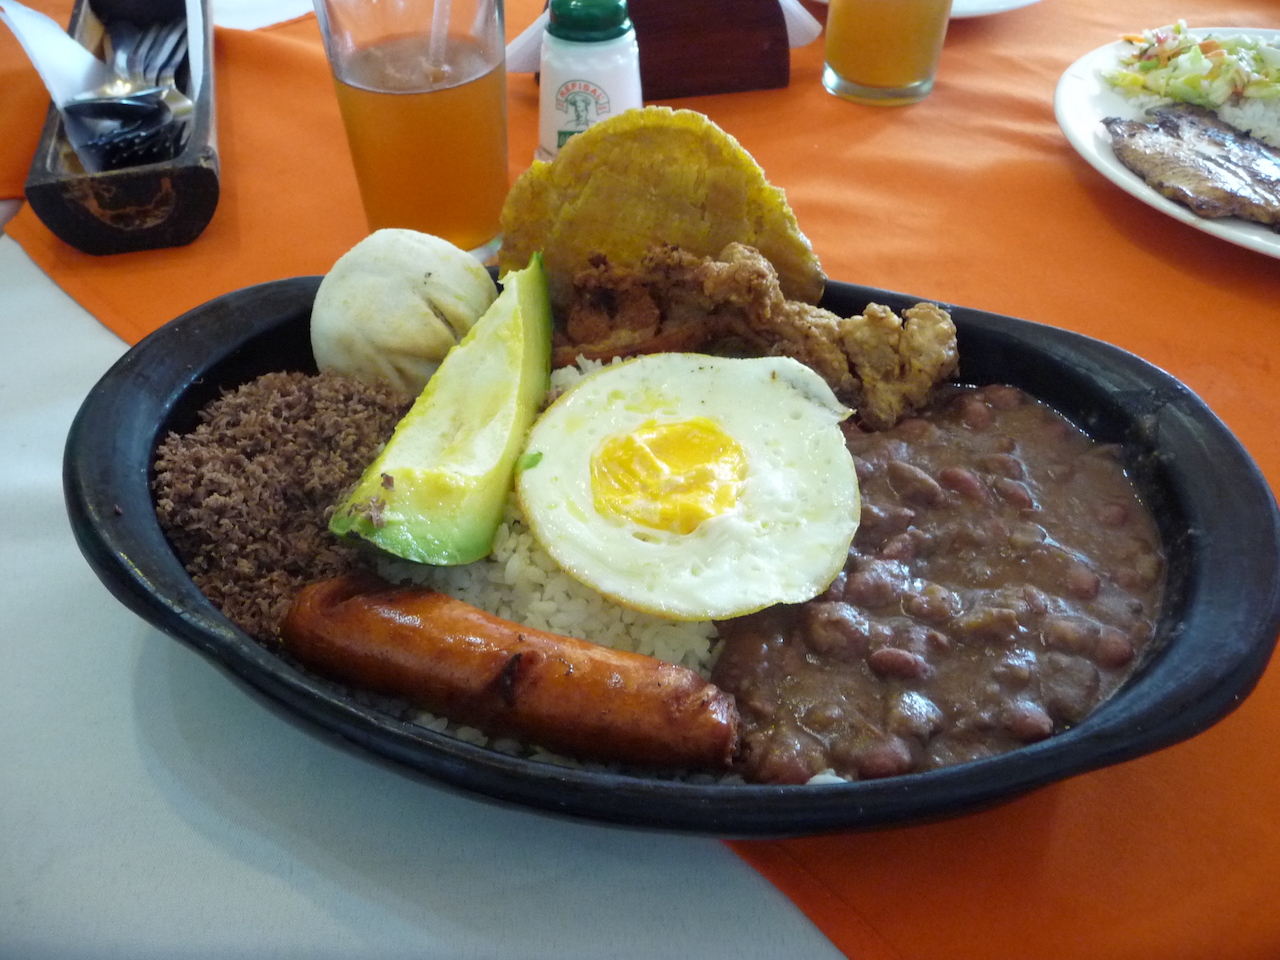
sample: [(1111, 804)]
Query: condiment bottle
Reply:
[(590, 69)]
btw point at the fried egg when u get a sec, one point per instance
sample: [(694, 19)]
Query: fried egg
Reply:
[(694, 487)]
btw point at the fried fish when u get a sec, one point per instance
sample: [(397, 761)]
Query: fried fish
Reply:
[(1190, 156)]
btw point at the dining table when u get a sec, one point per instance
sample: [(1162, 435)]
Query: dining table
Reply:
[(153, 806)]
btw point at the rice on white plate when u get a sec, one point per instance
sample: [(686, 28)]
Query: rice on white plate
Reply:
[(1259, 118), (1239, 80)]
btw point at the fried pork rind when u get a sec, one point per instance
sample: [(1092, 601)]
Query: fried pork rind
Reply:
[(898, 361), (645, 177), (882, 364)]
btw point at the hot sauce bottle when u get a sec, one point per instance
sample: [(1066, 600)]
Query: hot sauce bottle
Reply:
[(590, 69)]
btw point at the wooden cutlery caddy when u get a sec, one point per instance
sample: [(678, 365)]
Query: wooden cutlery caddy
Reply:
[(165, 204)]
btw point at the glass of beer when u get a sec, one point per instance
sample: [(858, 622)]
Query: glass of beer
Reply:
[(884, 52), (423, 93)]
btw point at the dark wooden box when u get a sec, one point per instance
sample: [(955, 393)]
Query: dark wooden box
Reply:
[(694, 47), (137, 208)]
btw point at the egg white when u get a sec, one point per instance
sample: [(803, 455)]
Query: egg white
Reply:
[(783, 542)]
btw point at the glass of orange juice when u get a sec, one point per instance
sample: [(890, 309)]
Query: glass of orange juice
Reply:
[(884, 51), (422, 89)]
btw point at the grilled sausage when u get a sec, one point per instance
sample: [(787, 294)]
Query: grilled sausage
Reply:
[(455, 660)]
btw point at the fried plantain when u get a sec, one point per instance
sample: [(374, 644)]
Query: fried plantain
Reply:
[(645, 177)]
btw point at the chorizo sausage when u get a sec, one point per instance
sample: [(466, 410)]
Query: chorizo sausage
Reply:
[(566, 695)]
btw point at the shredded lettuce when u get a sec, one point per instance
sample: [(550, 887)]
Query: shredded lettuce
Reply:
[(1204, 70)]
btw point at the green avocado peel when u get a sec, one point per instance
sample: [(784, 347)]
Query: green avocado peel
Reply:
[(437, 492)]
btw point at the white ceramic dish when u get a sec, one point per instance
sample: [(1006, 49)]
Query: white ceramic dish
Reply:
[(1083, 99), (960, 9)]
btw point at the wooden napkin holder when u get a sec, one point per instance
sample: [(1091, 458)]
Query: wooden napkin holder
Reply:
[(165, 204), (693, 47)]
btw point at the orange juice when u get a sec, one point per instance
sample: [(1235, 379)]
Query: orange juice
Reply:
[(429, 146), (885, 49)]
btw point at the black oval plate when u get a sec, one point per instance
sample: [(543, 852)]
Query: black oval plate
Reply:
[(1215, 511)]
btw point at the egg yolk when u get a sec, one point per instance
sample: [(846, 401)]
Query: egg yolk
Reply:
[(668, 476)]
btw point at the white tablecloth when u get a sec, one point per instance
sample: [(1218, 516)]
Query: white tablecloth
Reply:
[(152, 807)]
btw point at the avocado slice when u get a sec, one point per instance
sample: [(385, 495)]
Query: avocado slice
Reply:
[(437, 492)]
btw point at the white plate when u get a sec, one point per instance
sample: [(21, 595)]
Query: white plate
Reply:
[(1083, 99), (981, 8)]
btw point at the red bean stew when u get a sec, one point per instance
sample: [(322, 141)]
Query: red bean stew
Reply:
[(1003, 582)]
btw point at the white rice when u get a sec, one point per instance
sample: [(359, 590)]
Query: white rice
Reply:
[(1260, 118), (519, 581), (1257, 117)]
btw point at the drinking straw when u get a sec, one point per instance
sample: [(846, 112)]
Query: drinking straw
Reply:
[(439, 34)]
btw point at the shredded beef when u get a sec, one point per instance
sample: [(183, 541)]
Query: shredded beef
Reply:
[(245, 497)]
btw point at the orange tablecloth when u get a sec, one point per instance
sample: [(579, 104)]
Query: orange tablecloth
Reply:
[(971, 197)]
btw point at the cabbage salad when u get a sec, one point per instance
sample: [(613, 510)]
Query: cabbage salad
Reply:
[(1203, 70)]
